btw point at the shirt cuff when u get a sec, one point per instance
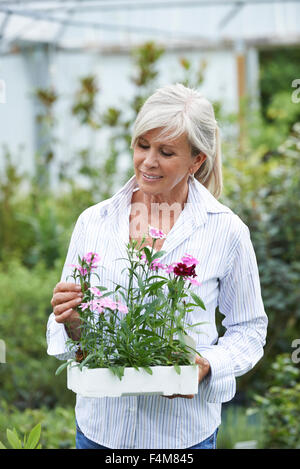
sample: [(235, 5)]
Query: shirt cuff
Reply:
[(220, 384), (56, 339)]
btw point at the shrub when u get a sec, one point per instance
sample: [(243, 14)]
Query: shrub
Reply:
[(57, 425), (280, 406), (28, 376)]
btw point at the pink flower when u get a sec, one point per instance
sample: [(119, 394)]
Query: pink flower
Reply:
[(107, 303), (84, 306), (156, 234), (189, 260), (82, 270), (91, 258), (194, 281), (93, 305), (155, 264), (122, 308), (95, 291), (170, 268)]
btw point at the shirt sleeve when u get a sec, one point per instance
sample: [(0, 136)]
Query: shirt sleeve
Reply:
[(56, 333), (241, 347)]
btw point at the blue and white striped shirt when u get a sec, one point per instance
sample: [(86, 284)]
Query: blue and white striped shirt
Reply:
[(229, 278)]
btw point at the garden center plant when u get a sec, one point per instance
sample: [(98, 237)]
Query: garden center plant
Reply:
[(143, 324)]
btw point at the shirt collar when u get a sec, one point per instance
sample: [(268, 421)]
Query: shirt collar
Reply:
[(199, 203)]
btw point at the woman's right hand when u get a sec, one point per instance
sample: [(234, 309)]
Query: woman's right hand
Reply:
[(66, 297)]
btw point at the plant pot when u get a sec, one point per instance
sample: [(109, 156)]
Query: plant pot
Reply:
[(101, 382)]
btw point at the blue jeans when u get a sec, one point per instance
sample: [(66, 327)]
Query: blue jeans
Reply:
[(82, 442)]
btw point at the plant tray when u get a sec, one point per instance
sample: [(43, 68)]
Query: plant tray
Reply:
[(101, 382)]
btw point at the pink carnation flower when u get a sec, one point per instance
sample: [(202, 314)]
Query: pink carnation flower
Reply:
[(95, 291), (155, 264), (122, 308), (91, 258), (107, 303), (189, 260), (93, 305), (156, 234), (82, 270), (170, 268), (84, 306), (194, 281)]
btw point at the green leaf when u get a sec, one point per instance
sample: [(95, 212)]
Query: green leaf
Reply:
[(148, 254), (102, 288), (13, 439), (33, 437), (190, 326), (87, 359), (117, 370), (198, 300), (156, 285), (177, 369), (61, 368), (140, 283), (148, 370), (158, 254), (158, 276), (2, 446)]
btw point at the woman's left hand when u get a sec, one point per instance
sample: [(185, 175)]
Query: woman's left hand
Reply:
[(203, 370)]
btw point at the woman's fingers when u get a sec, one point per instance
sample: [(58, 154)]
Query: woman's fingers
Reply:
[(186, 396), (66, 298), (59, 298), (64, 292), (67, 316), (66, 287), (203, 370), (72, 304)]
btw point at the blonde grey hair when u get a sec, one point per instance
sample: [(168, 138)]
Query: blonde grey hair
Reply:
[(179, 110)]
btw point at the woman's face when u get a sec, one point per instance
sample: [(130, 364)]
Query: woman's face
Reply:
[(162, 167)]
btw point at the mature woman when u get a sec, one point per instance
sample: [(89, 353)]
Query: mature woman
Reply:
[(178, 178)]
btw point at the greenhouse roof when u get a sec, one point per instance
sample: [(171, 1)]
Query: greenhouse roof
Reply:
[(117, 24)]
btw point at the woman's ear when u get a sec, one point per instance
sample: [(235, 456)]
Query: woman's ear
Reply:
[(198, 162)]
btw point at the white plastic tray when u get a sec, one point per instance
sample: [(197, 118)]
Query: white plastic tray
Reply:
[(101, 382)]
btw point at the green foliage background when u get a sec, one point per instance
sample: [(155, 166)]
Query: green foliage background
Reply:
[(261, 185)]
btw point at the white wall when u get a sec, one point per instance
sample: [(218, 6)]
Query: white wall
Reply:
[(16, 113), (113, 72)]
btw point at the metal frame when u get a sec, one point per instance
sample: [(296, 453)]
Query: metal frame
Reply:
[(32, 9)]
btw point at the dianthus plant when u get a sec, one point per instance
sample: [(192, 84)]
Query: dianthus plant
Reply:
[(143, 323)]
